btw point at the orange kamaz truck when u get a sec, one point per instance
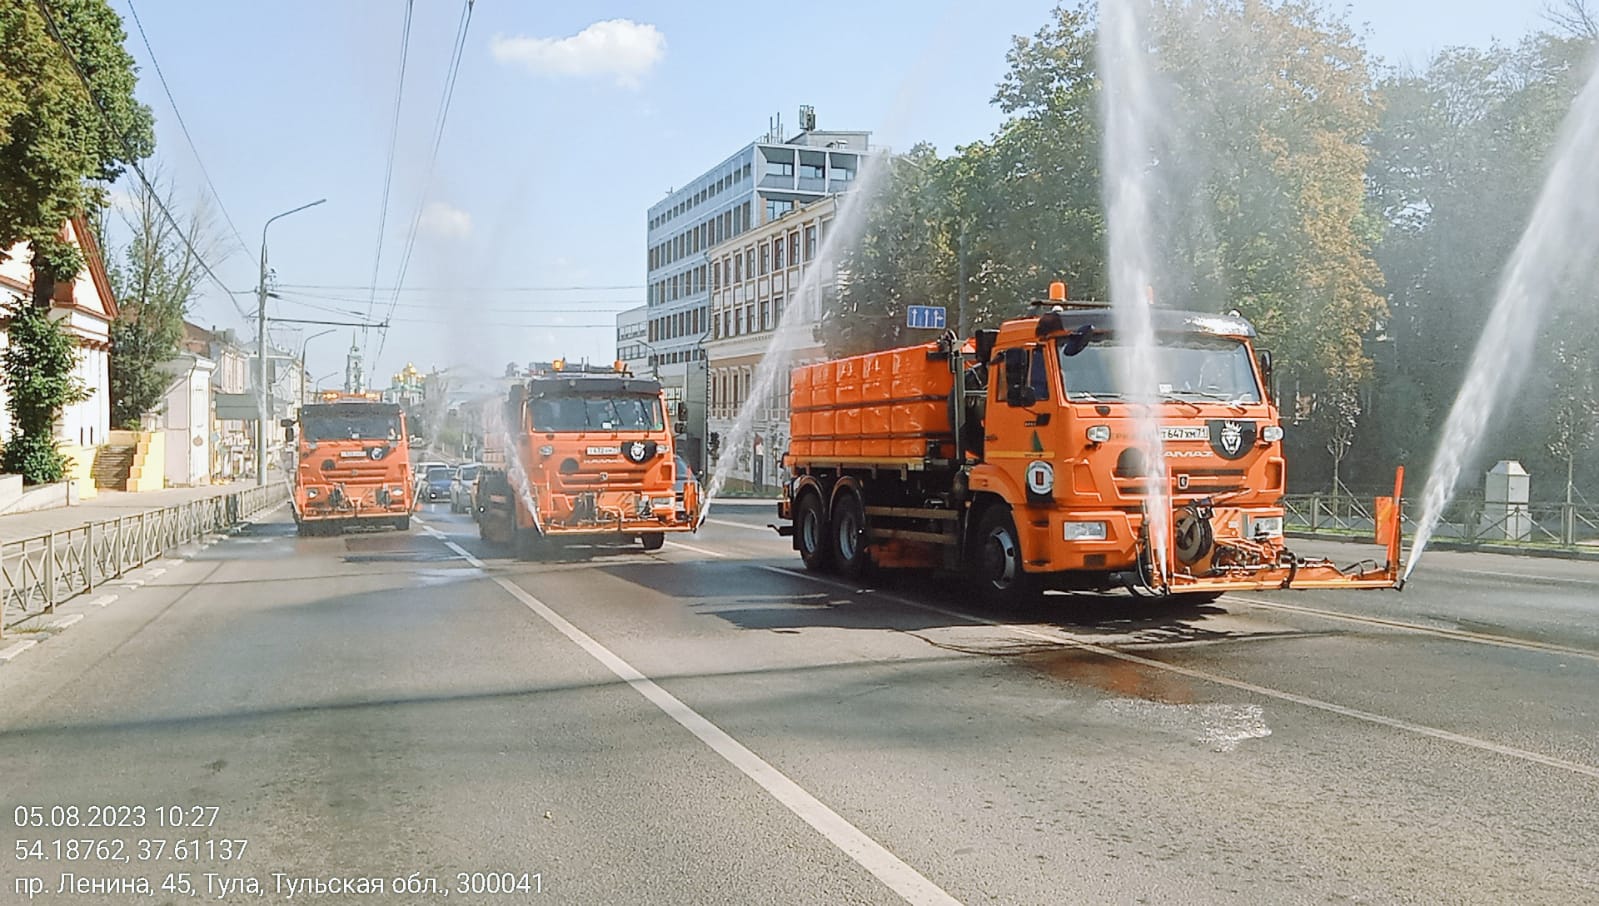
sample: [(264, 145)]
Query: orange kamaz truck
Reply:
[(577, 452), (354, 464), (1013, 458)]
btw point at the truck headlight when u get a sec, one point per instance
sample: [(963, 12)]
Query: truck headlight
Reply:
[(1271, 433), (1098, 434), (547, 450), (1263, 526), (1085, 531), (312, 493)]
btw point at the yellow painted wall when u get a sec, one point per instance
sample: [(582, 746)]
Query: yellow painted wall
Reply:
[(80, 469)]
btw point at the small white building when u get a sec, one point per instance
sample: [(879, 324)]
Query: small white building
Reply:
[(186, 420)]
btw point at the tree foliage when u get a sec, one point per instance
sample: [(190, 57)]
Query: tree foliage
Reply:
[(61, 140), (156, 280)]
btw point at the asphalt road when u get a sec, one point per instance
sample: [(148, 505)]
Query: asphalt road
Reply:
[(712, 725)]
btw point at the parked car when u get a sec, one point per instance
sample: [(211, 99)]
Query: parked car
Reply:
[(685, 476), (436, 484), (461, 487)]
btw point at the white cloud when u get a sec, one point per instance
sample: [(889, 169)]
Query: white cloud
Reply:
[(446, 222), (621, 48)]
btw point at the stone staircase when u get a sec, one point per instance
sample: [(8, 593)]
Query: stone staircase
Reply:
[(112, 463)]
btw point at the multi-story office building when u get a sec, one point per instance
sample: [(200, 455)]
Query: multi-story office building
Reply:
[(775, 268), (758, 184), (632, 334)]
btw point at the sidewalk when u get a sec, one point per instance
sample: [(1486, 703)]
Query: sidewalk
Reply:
[(105, 506)]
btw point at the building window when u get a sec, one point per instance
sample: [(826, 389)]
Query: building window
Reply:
[(810, 242), (738, 269), (777, 310), (793, 249), (716, 275), (749, 318), (811, 171), (749, 262), (780, 168), (777, 207), (766, 315), (766, 258), (777, 253)]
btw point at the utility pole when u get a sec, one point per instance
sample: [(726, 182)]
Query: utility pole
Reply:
[(264, 415)]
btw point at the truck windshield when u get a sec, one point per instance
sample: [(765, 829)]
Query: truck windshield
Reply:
[(598, 413), (1187, 367), (365, 426)]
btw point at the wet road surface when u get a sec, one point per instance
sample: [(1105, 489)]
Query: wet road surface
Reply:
[(711, 724)]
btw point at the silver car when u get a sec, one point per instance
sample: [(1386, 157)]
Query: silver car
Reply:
[(461, 487)]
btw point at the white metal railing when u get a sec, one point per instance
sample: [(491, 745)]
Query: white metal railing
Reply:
[(38, 573)]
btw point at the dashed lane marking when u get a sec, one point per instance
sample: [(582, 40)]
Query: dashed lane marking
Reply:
[(1278, 694), (64, 622), (900, 877), (16, 648), (697, 550), (104, 600)]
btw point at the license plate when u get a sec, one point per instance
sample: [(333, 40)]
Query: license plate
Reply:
[(352, 454), (604, 451), (1184, 432)]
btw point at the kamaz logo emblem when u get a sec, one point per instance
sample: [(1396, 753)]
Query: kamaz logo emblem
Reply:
[(636, 451), (1232, 437)]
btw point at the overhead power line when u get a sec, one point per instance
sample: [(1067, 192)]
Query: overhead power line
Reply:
[(361, 287), (178, 114), (388, 167), (88, 91), (454, 71)]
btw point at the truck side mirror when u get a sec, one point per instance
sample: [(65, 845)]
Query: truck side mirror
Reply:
[(681, 414), (288, 433), (1264, 357), (286, 423), (1018, 391)]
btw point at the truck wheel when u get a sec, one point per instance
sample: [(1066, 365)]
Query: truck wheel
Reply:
[(653, 541), (403, 523), (849, 536), (810, 534), (997, 559)]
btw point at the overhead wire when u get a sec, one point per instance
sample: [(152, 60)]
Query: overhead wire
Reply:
[(454, 71), (66, 51), (187, 136), (388, 167), (361, 287)]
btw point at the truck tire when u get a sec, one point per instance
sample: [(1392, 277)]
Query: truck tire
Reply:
[(997, 569), (403, 523), (653, 541), (848, 536), (810, 533)]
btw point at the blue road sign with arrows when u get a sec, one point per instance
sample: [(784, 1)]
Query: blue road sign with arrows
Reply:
[(929, 316)]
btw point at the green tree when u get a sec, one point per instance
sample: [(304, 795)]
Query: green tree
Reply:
[(157, 279), (60, 142)]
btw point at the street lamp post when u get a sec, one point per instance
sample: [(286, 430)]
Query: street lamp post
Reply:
[(303, 373), (260, 347)]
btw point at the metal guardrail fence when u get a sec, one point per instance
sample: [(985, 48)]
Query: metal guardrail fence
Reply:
[(1467, 519), (40, 572)]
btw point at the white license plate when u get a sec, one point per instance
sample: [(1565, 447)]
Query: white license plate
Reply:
[(604, 451), (1184, 432)]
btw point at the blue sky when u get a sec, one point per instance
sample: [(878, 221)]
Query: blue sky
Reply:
[(554, 148)]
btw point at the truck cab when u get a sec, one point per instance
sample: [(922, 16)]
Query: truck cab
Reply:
[(353, 464)]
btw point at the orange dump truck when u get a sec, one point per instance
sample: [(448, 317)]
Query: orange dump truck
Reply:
[(1032, 471), (354, 464), (582, 452)]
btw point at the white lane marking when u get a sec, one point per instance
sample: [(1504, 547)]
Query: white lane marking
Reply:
[(104, 600), (156, 572), (697, 550), (13, 650), (64, 622), (1462, 635), (130, 583), (742, 525), (1541, 580), (904, 880), (1304, 700)]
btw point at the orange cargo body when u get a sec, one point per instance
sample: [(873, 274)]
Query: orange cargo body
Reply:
[(882, 405)]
